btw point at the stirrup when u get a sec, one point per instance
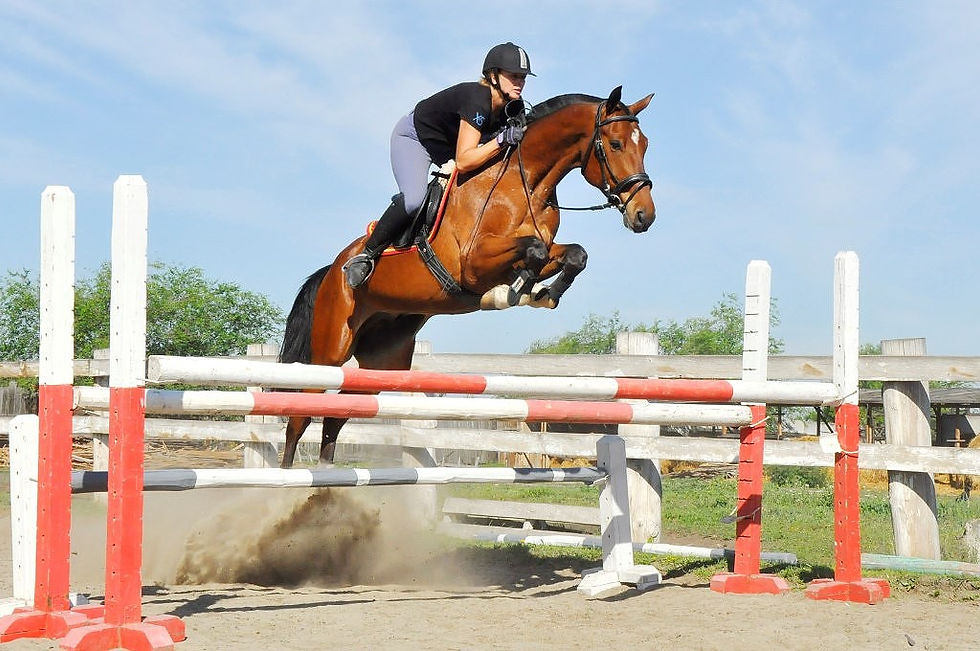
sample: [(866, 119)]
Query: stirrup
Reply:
[(358, 269)]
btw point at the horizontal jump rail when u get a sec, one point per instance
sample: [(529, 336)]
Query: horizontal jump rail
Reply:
[(336, 405), (185, 479), (246, 372)]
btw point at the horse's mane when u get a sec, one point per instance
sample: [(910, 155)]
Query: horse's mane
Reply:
[(555, 104)]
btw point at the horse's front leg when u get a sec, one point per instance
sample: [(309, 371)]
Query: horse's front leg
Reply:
[(535, 254), (568, 261)]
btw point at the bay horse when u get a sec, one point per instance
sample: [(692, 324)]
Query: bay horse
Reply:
[(496, 240)]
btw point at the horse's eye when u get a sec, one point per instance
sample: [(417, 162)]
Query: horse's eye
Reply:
[(616, 144)]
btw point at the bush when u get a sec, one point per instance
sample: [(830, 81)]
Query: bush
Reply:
[(798, 476)]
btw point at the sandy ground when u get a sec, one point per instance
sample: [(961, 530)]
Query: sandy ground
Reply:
[(344, 575)]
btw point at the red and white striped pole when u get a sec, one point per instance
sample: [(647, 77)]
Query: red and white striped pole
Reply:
[(51, 616), (124, 626)]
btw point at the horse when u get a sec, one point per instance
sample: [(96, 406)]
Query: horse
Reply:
[(496, 244)]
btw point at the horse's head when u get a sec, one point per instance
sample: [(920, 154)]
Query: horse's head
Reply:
[(613, 160)]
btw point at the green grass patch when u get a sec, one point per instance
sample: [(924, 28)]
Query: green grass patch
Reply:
[(797, 517)]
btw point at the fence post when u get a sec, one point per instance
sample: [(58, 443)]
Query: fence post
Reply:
[(642, 475), (426, 500), (100, 442), (912, 494), (260, 454)]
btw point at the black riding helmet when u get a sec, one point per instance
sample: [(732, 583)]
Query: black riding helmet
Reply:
[(509, 58)]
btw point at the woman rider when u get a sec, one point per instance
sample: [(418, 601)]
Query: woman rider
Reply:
[(451, 124)]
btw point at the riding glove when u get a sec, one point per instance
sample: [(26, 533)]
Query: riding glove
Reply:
[(510, 135)]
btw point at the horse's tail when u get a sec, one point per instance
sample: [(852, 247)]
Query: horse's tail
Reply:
[(299, 323)]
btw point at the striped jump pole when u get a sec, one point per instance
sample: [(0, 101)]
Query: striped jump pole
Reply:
[(847, 584), (123, 625), (190, 479), (246, 372), (51, 615), (336, 405)]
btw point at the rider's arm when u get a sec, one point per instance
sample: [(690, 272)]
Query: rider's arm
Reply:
[(469, 153)]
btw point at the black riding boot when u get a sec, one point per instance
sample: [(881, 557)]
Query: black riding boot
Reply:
[(359, 268)]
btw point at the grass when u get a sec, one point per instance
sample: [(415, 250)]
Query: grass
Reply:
[(797, 518)]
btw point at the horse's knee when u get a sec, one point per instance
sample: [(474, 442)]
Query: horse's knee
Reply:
[(576, 258)]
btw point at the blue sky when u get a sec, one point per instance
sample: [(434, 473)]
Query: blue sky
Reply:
[(783, 131)]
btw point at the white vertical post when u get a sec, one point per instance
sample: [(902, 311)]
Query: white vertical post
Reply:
[(23, 504), (100, 442), (912, 495), (643, 475), (425, 498), (755, 336), (614, 519), (260, 454)]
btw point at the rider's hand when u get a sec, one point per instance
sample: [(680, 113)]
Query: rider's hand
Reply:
[(510, 135)]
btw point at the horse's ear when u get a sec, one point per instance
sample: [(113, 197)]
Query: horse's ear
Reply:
[(615, 97), (640, 105)]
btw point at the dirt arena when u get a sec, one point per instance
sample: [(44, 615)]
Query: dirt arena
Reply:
[(343, 574)]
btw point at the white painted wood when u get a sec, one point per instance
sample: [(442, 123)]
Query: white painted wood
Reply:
[(912, 495), (57, 297), (846, 329), (24, 432), (755, 334), (427, 503), (642, 475), (784, 453), (617, 546), (782, 367), (127, 313), (260, 454)]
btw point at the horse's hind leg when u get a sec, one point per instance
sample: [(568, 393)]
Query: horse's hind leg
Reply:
[(388, 344), (294, 430)]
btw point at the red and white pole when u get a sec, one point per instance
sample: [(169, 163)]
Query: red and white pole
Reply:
[(51, 616), (847, 584), (747, 577), (124, 626)]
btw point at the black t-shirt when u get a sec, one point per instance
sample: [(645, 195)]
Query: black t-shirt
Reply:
[(437, 118)]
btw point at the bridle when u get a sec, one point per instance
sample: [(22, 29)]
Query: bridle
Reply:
[(611, 187)]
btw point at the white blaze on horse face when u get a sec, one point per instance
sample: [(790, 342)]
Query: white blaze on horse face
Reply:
[(635, 136)]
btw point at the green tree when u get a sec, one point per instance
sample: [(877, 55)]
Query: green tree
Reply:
[(187, 314), (719, 333), (19, 316)]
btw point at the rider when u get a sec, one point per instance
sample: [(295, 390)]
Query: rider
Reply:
[(458, 123)]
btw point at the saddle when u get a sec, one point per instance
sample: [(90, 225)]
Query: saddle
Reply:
[(424, 226), (425, 222)]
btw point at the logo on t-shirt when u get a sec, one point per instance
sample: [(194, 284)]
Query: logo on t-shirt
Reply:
[(479, 119)]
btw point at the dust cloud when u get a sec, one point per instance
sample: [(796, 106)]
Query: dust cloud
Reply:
[(292, 538)]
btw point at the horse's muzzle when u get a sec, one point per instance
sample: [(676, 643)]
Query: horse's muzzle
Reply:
[(640, 219)]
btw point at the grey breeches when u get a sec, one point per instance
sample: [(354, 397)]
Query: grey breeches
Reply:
[(410, 163)]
